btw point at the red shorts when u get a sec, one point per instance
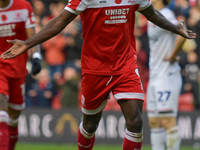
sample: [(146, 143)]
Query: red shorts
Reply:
[(14, 90), (96, 89)]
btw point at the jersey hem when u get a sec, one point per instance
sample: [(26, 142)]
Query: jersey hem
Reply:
[(15, 76), (94, 72)]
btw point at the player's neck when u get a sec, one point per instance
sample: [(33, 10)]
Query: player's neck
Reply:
[(4, 3)]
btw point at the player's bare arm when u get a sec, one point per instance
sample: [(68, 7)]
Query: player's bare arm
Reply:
[(158, 19), (177, 48), (51, 29)]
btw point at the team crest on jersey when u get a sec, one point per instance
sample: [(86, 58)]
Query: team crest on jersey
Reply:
[(18, 16), (4, 17), (118, 1)]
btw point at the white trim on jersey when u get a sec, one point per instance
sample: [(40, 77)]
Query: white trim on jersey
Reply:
[(143, 4), (72, 11), (95, 111), (30, 26), (21, 15), (16, 107), (128, 95)]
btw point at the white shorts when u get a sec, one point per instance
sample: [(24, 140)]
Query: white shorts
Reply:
[(162, 96)]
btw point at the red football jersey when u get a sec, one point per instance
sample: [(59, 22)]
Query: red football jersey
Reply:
[(14, 20), (108, 32)]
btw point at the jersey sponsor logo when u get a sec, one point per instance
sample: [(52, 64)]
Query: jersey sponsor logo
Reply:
[(7, 30), (120, 11), (116, 15), (102, 1), (4, 17), (132, 1)]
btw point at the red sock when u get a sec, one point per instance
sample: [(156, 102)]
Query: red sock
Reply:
[(132, 141), (13, 131), (85, 140), (4, 136)]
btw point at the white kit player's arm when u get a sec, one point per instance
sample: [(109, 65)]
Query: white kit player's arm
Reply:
[(177, 48), (155, 17)]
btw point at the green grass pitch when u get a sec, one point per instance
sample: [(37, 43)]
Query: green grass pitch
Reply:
[(47, 146)]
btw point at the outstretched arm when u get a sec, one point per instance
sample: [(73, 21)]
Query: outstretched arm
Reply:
[(52, 28), (158, 19)]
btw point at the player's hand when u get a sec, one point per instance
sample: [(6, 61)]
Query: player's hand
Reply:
[(17, 49), (185, 32), (171, 59), (36, 66)]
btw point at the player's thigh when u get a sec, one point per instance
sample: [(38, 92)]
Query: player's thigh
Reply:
[(151, 100), (132, 111), (17, 94), (4, 91), (154, 122), (153, 117), (13, 114), (168, 122), (95, 93), (128, 86), (129, 93)]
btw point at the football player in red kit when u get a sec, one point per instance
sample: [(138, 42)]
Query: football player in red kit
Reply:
[(108, 60), (16, 22)]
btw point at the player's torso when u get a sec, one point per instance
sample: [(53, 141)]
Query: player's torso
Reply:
[(13, 23), (161, 43), (108, 32)]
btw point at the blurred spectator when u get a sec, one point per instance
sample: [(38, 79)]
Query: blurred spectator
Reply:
[(54, 54), (38, 7), (194, 24), (74, 44), (41, 92), (180, 7), (69, 88), (192, 70)]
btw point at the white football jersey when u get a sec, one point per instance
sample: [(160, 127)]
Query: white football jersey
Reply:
[(161, 43)]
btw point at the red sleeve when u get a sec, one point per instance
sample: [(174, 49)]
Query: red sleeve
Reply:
[(31, 17)]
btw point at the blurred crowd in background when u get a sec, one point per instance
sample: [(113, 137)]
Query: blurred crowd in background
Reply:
[(57, 86)]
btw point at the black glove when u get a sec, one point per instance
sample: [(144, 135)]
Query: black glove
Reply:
[(36, 66)]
